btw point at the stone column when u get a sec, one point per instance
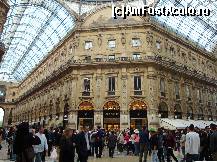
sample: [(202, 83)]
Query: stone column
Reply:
[(124, 113), (72, 123), (153, 119), (98, 113)]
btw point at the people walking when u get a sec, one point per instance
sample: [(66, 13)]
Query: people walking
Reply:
[(99, 142), (144, 144), (160, 140), (67, 147), (83, 145), (192, 145), (154, 145), (170, 145), (23, 143), (41, 149), (112, 140), (213, 142), (136, 142), (182, 143)]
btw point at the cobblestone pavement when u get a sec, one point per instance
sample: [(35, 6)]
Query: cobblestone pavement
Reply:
[(105, 158)]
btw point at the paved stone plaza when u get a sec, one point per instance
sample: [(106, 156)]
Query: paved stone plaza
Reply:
[(117, 158), (105, 158)]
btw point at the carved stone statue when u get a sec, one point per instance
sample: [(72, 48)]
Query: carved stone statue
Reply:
[(76, 41), (149, 38), (123, 39), (166, 44), (99, 40)]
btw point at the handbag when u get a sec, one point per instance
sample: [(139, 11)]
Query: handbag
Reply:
[(29, 153), (54, 154)]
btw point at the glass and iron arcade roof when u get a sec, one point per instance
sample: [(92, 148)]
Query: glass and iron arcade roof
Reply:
[(202, 30), (34, 27)]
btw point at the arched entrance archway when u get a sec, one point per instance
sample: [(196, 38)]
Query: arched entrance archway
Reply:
[(200, 113), (111, 115), (2, 112), (177, 111), (190, 114), (138, 114), (163, 110), (210, 115), (85, 114)]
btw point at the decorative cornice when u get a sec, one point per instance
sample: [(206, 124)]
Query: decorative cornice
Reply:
[(157, 60)]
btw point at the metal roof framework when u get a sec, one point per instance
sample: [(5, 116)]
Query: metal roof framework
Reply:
[(34, 27)]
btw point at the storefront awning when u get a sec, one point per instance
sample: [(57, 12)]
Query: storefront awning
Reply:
[(173, 124)]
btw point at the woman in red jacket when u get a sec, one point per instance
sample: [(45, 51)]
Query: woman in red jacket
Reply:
[(127, 142)]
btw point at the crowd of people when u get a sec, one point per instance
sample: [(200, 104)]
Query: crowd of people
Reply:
[(28, 144)]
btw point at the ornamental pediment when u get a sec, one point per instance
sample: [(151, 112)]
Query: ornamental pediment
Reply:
[(103, 17)]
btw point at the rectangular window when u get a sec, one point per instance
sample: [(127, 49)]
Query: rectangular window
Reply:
[(198, 94), (177, 90), (111, 43), (87, 58), (172, 51), (111, 86), (136, 42), (86, 85), (162, 87), (136, 56), (88, 45), (158, 45), (137, 85), (188, 93), (111, 57)]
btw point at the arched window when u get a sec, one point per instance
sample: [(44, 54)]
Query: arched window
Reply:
[(200, 114), (190, 113), (163, 110), (162, 87), (177, 112), (210, 115), (1, 116)]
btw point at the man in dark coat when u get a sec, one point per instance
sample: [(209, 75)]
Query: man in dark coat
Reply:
[(23, 143), (99, 142), (112, 140), (83, 145), (144, 144)]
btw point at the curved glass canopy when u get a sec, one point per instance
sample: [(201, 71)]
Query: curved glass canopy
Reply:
[(202, 30), (32, 29)]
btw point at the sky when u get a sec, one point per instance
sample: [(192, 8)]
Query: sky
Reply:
[(1, 114)]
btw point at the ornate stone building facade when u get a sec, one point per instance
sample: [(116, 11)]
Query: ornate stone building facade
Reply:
[(119, 74)]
